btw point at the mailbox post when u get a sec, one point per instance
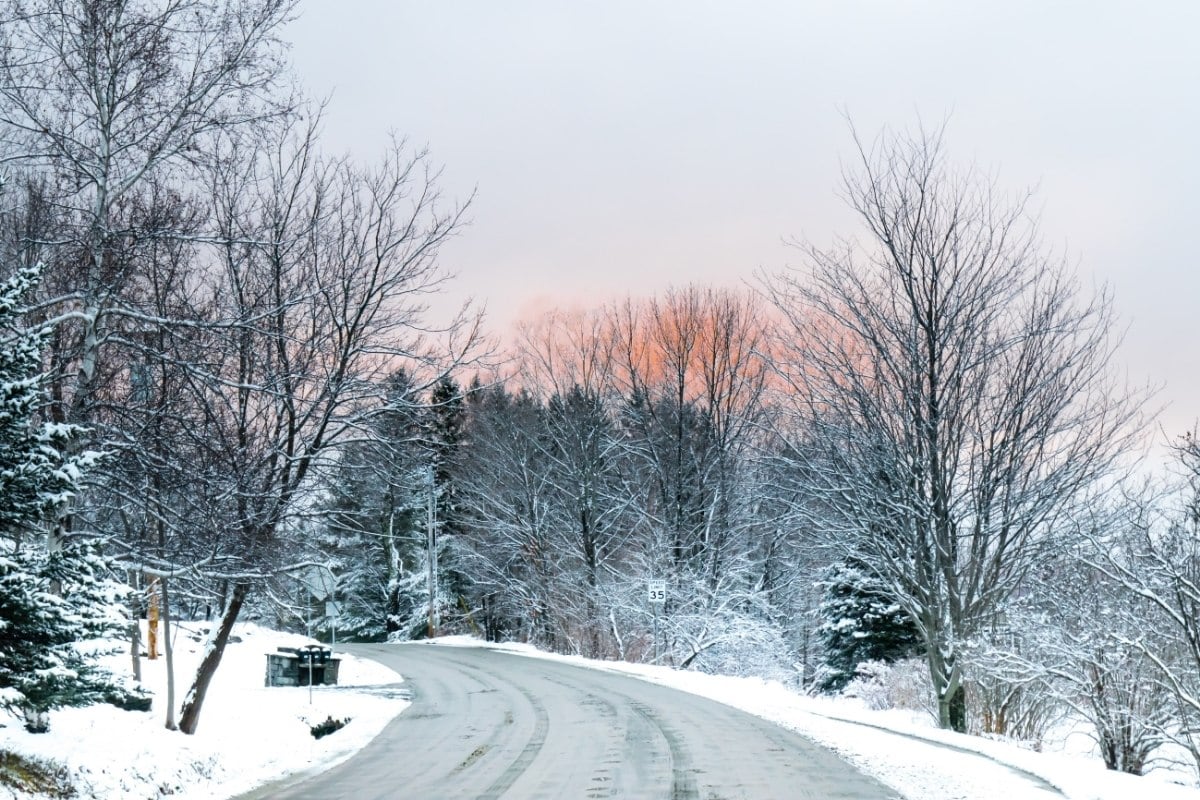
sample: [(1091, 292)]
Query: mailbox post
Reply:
[(311, 653)]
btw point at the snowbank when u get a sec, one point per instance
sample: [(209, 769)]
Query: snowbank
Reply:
[(248, 734)]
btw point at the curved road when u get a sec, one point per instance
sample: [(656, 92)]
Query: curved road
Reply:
[(489, 724)]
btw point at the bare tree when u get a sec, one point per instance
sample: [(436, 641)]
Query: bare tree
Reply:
[(314, 295), (689, 370), (690, 374), (104, 95), (505, 496), (566, 362), (951, 386), (1153, 556), (1068, 645)]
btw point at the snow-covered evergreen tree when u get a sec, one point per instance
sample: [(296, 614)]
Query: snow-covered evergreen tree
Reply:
[(375, 522), (41, 665), (35, 476), (444, 431), (859, 623)]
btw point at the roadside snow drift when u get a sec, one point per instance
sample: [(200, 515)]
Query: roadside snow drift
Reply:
[(248, 734)]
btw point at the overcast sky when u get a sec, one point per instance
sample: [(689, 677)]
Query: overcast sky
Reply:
[(629, 146)]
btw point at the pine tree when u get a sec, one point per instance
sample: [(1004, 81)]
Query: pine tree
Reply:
[(859, 623), (41, 665), (375, 523), (444, 435), (35, 477)]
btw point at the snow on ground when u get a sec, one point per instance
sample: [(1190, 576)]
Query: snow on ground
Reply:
[(900, 748), (248, 734)]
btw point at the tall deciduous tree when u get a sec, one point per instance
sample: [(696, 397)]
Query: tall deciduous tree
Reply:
[(313, 301), (689, 366), (102, 98), (954, 390), (515, 548)]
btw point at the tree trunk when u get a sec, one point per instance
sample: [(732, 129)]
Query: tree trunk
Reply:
[(956, 707), (395, 569), (135, 645), (189, 716), (946, 676), (169, 651), (135, 630), (952, 703)]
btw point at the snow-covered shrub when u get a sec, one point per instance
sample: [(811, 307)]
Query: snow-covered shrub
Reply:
[(26, 775), (899, 684), (1022, 710), (725, 630), (330, 725), (761, 652)]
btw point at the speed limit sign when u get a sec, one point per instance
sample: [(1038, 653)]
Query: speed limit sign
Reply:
[(657, 592)]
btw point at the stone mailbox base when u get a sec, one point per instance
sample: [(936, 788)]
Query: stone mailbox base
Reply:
[(284, 669)]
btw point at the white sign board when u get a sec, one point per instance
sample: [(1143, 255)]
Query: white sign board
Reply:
[(657, 592), (320, 582), (332, 610)]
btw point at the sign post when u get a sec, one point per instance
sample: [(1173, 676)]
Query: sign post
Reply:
[(656, 594), (310, 653), (331, 614)]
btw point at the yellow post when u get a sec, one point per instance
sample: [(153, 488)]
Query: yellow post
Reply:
[(152, 620)]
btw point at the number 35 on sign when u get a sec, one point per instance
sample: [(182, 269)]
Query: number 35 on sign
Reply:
[(657, 592)]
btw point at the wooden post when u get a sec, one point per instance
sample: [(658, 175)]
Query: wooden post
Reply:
[(152, 620)]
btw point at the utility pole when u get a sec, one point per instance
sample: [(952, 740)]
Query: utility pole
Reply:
[(432, 545)]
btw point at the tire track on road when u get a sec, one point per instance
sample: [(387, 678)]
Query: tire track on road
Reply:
[(532, 747), (683, 774), (606, 776)]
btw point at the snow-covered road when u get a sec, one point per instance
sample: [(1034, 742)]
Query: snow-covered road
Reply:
[(488, 724)]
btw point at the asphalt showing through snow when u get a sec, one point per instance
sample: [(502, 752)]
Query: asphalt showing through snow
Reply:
[(489, 725)]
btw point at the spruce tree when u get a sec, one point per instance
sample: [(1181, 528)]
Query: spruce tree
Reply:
[(375, 523), (859, 623), (41, 666), (446, 418)]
